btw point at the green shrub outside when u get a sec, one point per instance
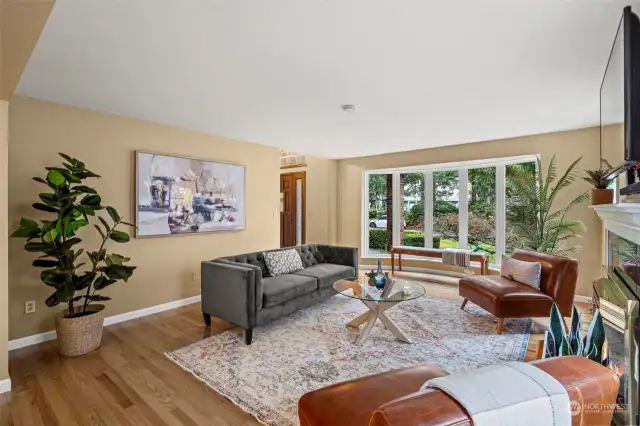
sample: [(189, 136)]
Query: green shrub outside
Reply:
[(378, 239)]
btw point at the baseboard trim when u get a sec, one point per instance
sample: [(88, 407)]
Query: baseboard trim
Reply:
[(5, 385), (51, 335)]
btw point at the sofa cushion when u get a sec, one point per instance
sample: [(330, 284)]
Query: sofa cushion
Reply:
[(327, 273), (279, 289)]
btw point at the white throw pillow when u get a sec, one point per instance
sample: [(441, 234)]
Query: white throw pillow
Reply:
[(528, 273), (283, 262)]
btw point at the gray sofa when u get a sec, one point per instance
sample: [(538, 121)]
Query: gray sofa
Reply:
[(239, 289)]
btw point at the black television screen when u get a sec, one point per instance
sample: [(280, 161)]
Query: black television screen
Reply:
[(620, 97)]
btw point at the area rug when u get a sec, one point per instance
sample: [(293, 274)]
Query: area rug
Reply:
[(312, 348)]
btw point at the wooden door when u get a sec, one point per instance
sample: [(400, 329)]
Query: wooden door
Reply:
[(292, 208)]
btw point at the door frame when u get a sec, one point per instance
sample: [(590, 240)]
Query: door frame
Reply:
[(303, 176)]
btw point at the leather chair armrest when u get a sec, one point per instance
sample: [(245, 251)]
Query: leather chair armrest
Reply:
[(352, 403)]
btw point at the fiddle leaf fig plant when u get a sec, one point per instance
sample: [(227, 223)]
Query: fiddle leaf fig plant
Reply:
[(73, 277)]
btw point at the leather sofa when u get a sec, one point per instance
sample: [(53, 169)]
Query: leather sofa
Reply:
[(394, 399), (506, 298), (239, 289)]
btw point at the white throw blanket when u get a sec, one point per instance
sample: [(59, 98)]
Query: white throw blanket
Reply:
[(510, 394), (456, 257)]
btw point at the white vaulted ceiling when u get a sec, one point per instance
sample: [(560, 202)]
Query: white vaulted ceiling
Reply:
[(421, 73)]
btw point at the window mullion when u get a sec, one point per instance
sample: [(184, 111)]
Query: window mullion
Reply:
[(428, 209), (463, 208), (501, 196), (395, 199)]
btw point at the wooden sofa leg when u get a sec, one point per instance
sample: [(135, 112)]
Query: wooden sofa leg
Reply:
[(464, 303), (248, 335), (207, 319), (500, 325)]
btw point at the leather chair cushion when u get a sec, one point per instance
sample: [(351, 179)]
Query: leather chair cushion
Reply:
[(277, 290), (352, 403), (327, 273), (504, 297)]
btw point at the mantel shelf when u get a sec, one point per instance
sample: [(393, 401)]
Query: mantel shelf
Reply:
[(622, 218)]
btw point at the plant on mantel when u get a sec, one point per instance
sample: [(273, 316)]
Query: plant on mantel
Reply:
[(601, 193), (73, 205)]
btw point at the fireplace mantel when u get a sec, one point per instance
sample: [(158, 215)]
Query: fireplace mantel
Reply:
[(622, 219)]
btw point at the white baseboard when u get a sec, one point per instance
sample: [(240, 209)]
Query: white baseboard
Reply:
[(51, 335), (5, 385)]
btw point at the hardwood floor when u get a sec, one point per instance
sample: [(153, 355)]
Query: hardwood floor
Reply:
[(129, 381)]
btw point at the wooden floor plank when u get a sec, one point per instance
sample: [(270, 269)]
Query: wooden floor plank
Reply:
[(129, 380)]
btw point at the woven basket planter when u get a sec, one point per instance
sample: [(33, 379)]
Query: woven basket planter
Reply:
[(80, 335)]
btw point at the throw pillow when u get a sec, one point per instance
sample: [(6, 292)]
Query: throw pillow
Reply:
[(528, 273), (283, 262)]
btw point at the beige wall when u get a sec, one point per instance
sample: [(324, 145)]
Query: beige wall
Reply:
[(566, 145), (106, 143), (322, 187), (4, 294)]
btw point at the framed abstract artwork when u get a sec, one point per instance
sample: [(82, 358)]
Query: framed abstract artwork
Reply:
[(180, 195)]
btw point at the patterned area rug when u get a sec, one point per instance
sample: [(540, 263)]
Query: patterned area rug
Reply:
[(312, 348)]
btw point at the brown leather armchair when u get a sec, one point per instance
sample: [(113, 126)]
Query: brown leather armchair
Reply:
[(394, 399), (506, 298)]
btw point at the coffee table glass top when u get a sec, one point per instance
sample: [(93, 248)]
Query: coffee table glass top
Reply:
[(360, 289)]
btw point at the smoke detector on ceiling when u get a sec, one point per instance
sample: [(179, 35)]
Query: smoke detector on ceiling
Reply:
[(348, 108)]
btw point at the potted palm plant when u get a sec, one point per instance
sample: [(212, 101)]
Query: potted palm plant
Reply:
[(601, 193), (74, 281), (535, 223)]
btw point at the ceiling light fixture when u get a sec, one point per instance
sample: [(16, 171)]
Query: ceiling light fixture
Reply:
[(348, 108)]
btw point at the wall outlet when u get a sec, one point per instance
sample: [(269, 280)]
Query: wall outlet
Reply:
[(195, 276), (29, 306)]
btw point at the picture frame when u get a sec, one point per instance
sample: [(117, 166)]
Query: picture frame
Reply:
[(180, 195)]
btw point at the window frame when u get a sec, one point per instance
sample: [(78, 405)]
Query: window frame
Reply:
[(462, 167)]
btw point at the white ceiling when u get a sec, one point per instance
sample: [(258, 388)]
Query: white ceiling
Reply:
[(421, 73)]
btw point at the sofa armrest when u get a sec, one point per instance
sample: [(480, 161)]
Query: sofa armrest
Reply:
[(338, 255), (353, 402), (231, 291), (590, 385)]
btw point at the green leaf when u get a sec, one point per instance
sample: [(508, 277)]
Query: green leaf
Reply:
[(66, 292), (595, 339), (104, 222), (69, 243), (69, 159), (97, 298), (39, 179), (56, 178), (56, 277), (49, 199), (83, 281), (52, 300), (113, 214), (556, 327), (102, 282), (91, 200), (84, 189), (129, 224), (43, 247), (44, 208), (25, 233), (99, 231), (28, 223), (119, 236), (45, 263), (575, 333)]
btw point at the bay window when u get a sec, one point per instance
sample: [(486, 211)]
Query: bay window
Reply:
[(455, 205)]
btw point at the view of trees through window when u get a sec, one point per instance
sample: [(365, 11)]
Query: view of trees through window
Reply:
[(444, 196), (380, 228), (516, 208)]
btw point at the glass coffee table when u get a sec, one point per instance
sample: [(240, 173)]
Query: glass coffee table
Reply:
[(378, 303)]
